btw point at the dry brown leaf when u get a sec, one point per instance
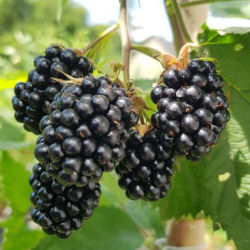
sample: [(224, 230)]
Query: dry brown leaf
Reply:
[(78, 52), (143, 129), (138, 103), (184, 56)]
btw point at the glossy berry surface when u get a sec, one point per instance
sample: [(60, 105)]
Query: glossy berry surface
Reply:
[(146, 169), (33, 98), (192, 108), (86, 132), (59, 209)]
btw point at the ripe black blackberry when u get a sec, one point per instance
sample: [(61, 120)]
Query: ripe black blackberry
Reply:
[(192, 108), (32, 98), (146, 170), (59, 209), (87, 132)]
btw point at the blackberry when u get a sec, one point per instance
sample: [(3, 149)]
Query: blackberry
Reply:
[(146, 169), (192, 108), (156, 93), (87, 131), (59, 209), (33, 98)]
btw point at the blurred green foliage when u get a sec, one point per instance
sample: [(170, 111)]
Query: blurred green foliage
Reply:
[(234, 9), (27, 27)]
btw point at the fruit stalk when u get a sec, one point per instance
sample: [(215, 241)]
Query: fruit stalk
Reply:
[(180, 21), (178, 39), (180, 32), (199, 2), (125, 39)]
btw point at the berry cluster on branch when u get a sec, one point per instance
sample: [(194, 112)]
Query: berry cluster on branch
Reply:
[(192, 108), (33, 98), (89, 125), (147, 167), (86, 131), (60, 209)]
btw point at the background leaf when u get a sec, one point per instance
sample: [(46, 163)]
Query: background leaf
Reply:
[(18, 235), (11, 136), (147, 217), (109, 228), (219, 184), (17, 232), (15, 181), (112, 194), (98, 49), (144, 84)]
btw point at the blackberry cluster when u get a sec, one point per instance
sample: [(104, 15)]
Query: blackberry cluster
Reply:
[(146, 170), (86, 131), (33, 98), (58, 209), (192, 108)]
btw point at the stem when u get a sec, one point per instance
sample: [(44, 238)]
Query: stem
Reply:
[(199, 2), (151, 52), (180, 21), (178, 38), (102, 36), (125, 39), (164, 59)]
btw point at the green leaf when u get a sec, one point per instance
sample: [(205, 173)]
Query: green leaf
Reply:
[(111, 69), (144, 84), (109, 228), (219, 184), (199, 2), (11, 136), (18, 235), (146, 217), (232, 61), (151, 52), (234, 64), (211, 186), (141, 213), (213, 37), (112, 194), (95, 53), (236, 9), (15, 183), (17, 232), (186, 193), (100, 44)]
